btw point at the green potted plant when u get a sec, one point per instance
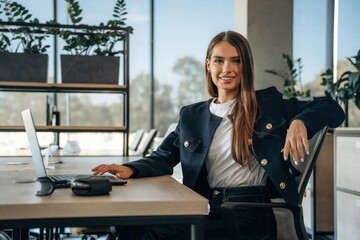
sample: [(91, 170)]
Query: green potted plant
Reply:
[(346, 88), (291, 75), (31, 64), (93, 58)]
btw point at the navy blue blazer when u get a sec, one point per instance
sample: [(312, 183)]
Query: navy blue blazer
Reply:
[(190, 142)]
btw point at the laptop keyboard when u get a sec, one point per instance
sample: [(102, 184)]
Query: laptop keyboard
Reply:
[(57, 178)]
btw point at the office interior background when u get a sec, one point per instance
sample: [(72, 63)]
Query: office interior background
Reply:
[(167, 57), (181, 32), (167, 51)]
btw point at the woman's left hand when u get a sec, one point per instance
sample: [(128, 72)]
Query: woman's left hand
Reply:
[(296, 139)]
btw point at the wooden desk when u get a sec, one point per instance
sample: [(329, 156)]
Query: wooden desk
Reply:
[(158, 200)]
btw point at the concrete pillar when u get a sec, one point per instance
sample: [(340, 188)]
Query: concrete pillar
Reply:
[(268, 25)]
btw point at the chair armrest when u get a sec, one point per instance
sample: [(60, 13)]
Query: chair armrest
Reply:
[(234, 205), (254, 204)]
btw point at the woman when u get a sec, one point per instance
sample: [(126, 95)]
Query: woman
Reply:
[(235, 146)]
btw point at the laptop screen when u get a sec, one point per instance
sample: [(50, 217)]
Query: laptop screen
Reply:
[(34, 143)]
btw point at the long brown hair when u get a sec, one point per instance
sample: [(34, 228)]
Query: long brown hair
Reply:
[(243, 116)]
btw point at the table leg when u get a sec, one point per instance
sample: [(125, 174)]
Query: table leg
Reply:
[(198, 229)]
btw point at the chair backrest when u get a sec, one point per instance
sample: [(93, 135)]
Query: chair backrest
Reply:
[(307, 166), (289, 218), (170, 129), (136, 140), (290, 226), (146, 144)]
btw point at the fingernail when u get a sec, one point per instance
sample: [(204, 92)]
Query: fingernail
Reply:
[(285, 158), (307, 152), (302, 159), (282, 150), (296, 163)]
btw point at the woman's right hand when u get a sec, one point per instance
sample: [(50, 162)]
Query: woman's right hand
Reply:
[(118, 170)]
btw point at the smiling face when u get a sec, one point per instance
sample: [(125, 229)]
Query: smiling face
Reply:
[(225, 68)]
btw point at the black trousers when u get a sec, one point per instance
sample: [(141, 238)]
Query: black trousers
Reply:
[(254, 223)]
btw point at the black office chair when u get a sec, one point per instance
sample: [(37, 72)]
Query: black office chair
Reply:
[(290, 222)]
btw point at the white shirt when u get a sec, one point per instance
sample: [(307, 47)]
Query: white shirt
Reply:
[(222, 170)]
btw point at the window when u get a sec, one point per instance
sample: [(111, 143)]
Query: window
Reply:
[(12, 103), (183, 30), (85, 109), (348, 46), (309, 42)]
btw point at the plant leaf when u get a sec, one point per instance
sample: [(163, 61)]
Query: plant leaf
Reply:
[(357, 100), (354, 78)]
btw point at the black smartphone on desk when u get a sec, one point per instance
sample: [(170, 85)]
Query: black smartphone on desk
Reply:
[(117, 181)]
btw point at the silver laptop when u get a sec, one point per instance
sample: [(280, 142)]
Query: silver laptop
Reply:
[(59, 180)]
